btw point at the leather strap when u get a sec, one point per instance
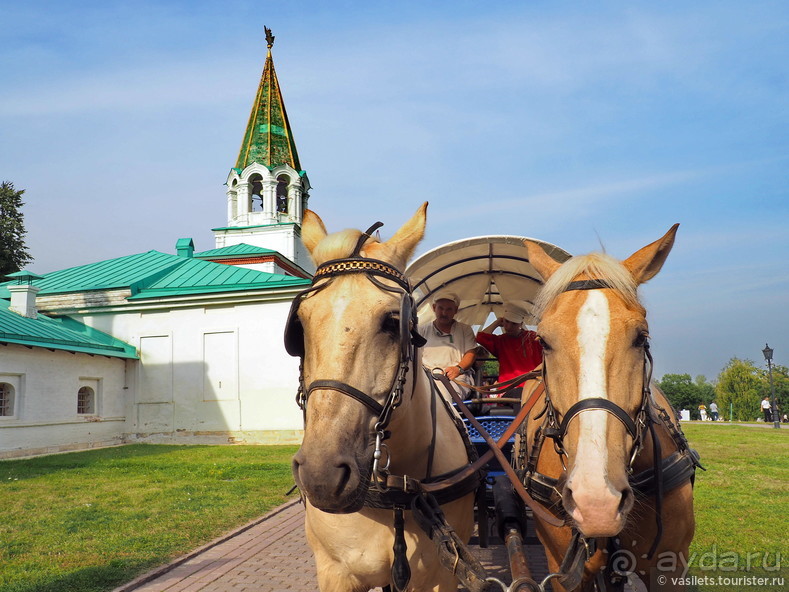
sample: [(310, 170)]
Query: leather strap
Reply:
[(499, 386), (598, 403), (503, 460), (346, 389), (587, 285)]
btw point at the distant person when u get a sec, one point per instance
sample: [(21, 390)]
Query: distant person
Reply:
[(714, 411), (768, 416), (703, 412), (451, 348), (516, 348)]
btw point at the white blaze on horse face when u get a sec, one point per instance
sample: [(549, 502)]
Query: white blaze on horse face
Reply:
[(588, 478)]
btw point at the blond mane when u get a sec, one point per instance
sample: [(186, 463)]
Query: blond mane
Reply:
[(339, 245), (591, 266)]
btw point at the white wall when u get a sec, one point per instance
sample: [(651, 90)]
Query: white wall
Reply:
[(45, 408), (211, 369)]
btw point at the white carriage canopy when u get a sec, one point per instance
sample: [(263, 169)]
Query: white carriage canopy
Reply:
[(484, 272)]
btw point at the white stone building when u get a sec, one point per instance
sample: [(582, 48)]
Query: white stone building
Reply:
[(165, 347)]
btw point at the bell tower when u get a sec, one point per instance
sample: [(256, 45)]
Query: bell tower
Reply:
[(267, 190)]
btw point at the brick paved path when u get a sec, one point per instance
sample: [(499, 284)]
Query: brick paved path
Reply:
[(271, 555)]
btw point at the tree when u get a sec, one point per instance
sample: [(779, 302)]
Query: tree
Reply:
[(13, 252), (739, 385), (705, 389), (681, 392)]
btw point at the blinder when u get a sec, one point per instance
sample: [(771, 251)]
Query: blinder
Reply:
[(294, 331)]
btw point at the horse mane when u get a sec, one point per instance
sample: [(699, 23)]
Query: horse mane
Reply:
[(591, 266), (338, 245)]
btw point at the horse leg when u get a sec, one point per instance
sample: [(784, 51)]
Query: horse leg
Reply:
[(333, 577), (344, 559), (671, 556), (555, 541)]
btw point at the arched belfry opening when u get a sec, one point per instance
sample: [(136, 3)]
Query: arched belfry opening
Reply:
[(282, 194), (256, 193)]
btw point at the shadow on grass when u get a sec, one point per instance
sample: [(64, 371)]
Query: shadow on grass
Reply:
[(50, 464), (89, 579)]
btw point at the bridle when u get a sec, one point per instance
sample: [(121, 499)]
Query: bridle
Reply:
[(410, 340), (665, 474), (635, 426)]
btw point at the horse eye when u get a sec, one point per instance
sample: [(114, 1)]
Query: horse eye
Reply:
[(641, 339), (391, 324), (545, 345)]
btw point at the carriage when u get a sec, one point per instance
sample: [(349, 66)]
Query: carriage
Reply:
[(388, 474)]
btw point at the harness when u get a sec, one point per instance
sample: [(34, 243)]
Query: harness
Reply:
[(424, 496), (380, 488), (664, 475)]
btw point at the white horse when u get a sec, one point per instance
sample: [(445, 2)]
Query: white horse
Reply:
[(353, 336)]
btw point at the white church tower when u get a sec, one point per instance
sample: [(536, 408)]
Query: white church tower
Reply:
[(267, 190)]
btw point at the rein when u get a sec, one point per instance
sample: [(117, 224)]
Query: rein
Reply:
[(664, 475), (386, 490)]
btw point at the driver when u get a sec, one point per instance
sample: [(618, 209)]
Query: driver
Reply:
[(451, 347)]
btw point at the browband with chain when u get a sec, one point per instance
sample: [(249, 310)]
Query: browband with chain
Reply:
[(361, 265)]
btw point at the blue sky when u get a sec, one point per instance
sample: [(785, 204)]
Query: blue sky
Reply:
[(575, 123)]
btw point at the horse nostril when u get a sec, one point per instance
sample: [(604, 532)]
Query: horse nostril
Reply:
[(344, 476), (624, 502)]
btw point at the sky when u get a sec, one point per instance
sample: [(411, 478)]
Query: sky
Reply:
[(586, 125)]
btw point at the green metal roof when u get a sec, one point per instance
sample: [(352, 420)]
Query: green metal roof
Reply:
[(242, 249), (268, 139), (24, 276), (155, 274), (61, 334), (119, 273), (195, 276)]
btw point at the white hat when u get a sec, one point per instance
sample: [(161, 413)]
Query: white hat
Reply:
[(514, 313), (447, 296)]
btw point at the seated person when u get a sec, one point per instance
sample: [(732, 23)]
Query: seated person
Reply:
[(451, 347), (517, 349)]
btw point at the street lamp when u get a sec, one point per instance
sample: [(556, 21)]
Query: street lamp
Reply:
[(768, 355)]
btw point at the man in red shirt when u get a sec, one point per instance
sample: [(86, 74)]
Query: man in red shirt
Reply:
[(517, 349)]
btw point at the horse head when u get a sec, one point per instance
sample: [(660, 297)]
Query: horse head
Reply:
[(352, 351), (594, 335)]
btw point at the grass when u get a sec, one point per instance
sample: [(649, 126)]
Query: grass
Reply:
[(91, 521), (741, 500)]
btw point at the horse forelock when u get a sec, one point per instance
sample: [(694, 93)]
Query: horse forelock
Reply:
[(591, 266), (339, 245)]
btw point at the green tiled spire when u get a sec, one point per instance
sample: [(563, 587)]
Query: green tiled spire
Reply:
[(268, 139)]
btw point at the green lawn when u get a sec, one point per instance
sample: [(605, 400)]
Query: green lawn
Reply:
[(90, 521), (741, 500)]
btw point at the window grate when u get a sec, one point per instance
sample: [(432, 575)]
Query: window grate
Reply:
[(6, 400)]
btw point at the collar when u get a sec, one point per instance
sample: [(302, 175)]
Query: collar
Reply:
[(440, 332)]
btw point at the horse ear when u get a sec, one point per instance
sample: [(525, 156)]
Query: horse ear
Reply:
[(540, 260), (313, 230), (645, 263), (405, 240)]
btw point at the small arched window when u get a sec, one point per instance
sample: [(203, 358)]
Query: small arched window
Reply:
[(6, 399), (86, 401), (282, 194)]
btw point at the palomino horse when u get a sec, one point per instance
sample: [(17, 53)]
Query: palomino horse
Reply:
[(363, 398), (619, 469)]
